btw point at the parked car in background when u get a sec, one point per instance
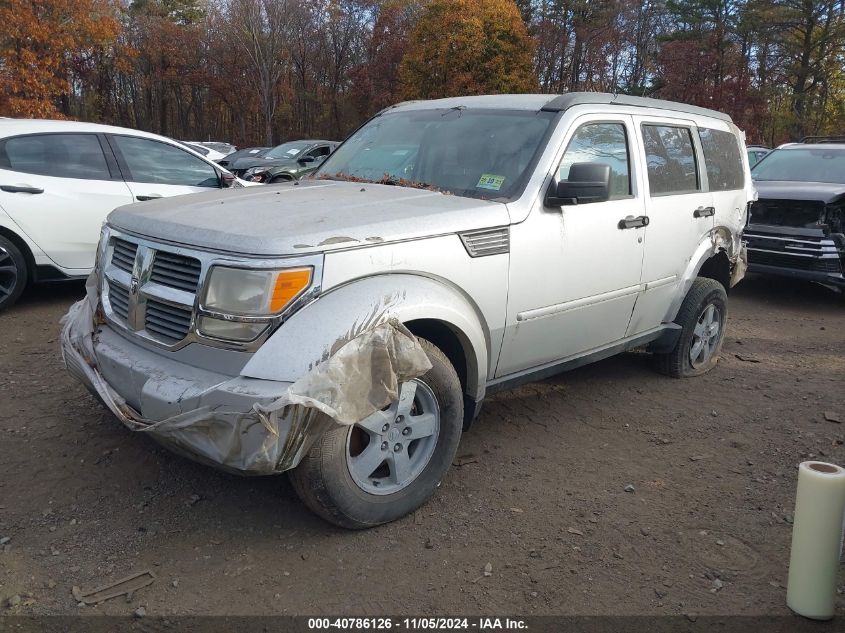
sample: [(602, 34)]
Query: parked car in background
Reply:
[(797, 226), (202, 150), (755, 153), (60, 179), (248, 152), (514, 236), (288, 161), (217, 146)]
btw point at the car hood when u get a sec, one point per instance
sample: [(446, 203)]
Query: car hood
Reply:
[(248, 162), (826, 192), (310, 217)]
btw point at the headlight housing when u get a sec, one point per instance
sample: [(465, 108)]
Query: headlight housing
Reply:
[(240, 303), (254, 171)]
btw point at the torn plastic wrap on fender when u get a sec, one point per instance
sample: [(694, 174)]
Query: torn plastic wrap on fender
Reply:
[(361, 377)]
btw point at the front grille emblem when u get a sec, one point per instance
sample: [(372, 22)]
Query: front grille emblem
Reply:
[(133, 285)]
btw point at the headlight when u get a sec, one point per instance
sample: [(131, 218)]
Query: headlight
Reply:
[(247, 292), (247, 299), (254, 171), (242, 331)]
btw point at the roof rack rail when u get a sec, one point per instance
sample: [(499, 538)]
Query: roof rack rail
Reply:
[(566, 100), (840, 138)]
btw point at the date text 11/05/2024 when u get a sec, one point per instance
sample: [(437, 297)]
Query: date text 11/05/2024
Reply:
[(414, 624)]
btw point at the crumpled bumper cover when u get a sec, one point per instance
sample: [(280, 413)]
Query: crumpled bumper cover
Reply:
[(240, 424)]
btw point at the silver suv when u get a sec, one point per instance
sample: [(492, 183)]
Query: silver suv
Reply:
[(348, 327)]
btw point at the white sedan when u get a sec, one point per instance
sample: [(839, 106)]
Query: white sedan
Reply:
[(60, 179)]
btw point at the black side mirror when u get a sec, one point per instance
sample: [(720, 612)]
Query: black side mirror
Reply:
[(226, 180), (587, 182), (305, 160)]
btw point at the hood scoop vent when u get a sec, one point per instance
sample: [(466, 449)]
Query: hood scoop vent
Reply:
[(487, 241)]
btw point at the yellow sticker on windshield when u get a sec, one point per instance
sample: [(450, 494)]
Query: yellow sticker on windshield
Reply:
[(489, 181)]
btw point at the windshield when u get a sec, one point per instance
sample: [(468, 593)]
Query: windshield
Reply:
[(287, 150), (473, 153), (821, 164)]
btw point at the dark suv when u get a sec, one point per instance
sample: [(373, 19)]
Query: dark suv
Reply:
[(797, 226)]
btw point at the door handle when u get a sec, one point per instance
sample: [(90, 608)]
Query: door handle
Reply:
[(703, 212), (632, 222), (17, 189), (145, 198)]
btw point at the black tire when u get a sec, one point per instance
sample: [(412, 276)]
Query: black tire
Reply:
[(280, 179), (323, 480), (13, 273), (702, 294)]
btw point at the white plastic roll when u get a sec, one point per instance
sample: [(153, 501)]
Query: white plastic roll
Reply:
[(816, 540)]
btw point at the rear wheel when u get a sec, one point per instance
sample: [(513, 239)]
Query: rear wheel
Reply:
[(13, 273), (702, 317), (390, 463)]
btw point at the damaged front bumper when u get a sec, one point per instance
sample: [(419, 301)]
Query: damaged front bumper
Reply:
[(801, 253), (240, 424), (213, 418)]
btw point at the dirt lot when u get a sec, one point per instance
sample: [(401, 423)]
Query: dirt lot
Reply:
[(540, 495)]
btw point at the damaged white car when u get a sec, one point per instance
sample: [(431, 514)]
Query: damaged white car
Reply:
[(348, 327)]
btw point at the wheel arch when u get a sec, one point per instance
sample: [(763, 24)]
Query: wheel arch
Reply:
[(282, 175), (715, 258), (24, 248), (717, 267), (458, 349)]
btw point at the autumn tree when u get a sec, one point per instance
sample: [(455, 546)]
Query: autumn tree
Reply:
[(376, 81), (260, 32), (465, 47), (39, 40), (814, 45)]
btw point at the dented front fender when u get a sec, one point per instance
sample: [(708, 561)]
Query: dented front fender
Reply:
[(318, 330)]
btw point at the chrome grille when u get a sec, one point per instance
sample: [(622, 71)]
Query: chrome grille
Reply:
[(124, 254), (155, 295), (151, 290), (787, 260), (170, 323), (176, 271), (119, 300), (805, 250), (486, 242)]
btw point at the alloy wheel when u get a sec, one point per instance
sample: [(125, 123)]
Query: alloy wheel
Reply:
[(706, 335), (388, 450), (8, 274)]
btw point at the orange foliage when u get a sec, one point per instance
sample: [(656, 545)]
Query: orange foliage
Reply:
[(465, 47), (38, 39)]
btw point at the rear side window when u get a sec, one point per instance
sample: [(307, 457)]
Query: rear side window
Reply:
[(163, 164), (722, 159), (604, 143), (670, 159), (57, 155), (320, 152)]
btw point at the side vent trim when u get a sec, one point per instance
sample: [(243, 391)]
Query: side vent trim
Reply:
[(487, 241)]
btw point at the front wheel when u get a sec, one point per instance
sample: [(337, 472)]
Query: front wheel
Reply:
[(390, 463), (702, 317), (13, 273)]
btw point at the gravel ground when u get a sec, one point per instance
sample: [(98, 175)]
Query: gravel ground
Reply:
[(540, 493)]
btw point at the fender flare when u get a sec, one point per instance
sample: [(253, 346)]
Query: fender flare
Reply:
[(720, 239), (314, 332), (283, 173)]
